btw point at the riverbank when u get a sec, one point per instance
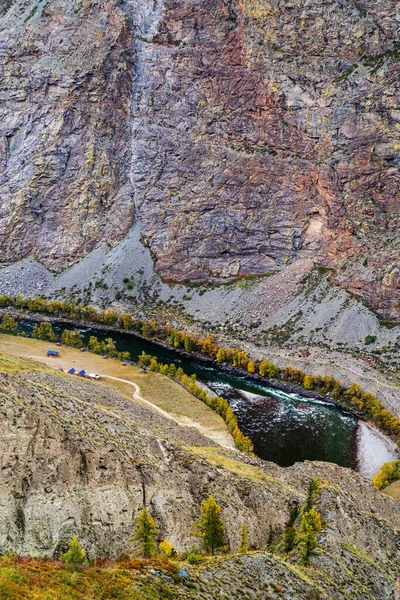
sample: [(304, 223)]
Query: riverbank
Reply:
[(344, 366), (285, 386), (321, 433), (165, 395)]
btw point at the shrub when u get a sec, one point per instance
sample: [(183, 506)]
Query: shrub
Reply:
[(167, 549), (370, 339), (389, 472), (75, 554), (193, 557)]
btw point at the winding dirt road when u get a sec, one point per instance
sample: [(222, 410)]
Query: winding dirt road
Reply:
[(138, 396)]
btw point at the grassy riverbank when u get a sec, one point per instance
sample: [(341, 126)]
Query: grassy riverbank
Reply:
[(353, 397), (155, 388)]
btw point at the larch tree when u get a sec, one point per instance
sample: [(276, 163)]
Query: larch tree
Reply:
[(75, 554), (146, 533), (308, 537), (211, 527), (244, 540)]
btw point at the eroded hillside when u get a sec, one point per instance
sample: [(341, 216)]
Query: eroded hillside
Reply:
[(79, 458)]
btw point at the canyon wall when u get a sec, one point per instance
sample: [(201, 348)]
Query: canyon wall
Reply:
[(243, 135)]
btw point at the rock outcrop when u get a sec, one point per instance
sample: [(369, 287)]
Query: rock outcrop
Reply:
[(78, 458), (243, 134)]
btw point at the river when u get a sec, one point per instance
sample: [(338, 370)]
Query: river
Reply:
[(284, 427)]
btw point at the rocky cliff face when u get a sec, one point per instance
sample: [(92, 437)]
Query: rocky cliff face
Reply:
[(77, 458), (67, 72), (242, 134)]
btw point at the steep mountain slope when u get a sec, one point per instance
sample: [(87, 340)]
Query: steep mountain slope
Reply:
[(244, 135), (78, 458)]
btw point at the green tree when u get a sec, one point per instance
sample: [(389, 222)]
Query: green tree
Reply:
[(268, 369), (44, 331), (72, 338), (221, 357), (188, 343), (314, 487), (308, 382), (95, 345), (9, 325), (308, 536), (210, 528), (174, 338), (75, 554), (146, 533), (172, 371), (126, 321), (289, 539), (244, 540)]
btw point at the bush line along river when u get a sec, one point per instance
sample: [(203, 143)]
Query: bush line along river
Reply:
[(284, 427)]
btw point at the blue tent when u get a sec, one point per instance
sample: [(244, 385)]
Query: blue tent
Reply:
[(71, 371), (82, 373), (52, 353)]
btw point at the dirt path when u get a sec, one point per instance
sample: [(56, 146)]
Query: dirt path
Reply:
[(138, 396), (182, 408), (182, 420)]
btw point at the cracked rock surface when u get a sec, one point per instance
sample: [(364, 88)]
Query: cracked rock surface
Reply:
[(244, 135)]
